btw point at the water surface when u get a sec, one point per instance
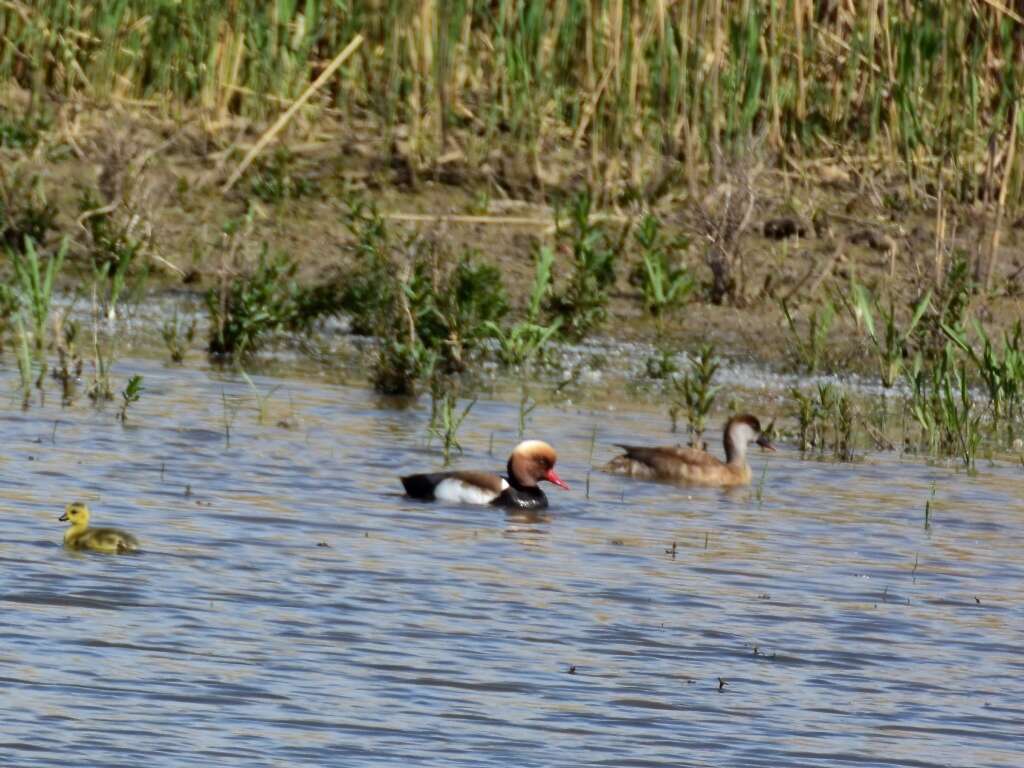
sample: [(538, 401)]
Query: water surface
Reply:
[(292, 608)]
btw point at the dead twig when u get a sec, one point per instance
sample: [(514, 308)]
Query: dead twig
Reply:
[(283, 120)]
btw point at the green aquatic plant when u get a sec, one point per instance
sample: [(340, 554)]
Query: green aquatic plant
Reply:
[(661, 363), (247, 307), (826, 421), (523, 342), (951, 298), (369, 289), (228, 414), (262, 400), (527, 405), (400, 365), (445, 417), (456, 307), (402, 358), (809, 349), (131, 394), (843, 447), (35, 284), (759, 490), (427, 308), (824, 411), (1002, 372), (928, 508), (922, 384), (890, 346), (581, 303), (806, 415), (439, 313), (178, 337), (104, 353), (962, 422), (693, 393), (944, 408), (69, 360), (100, 387), (666, 284)]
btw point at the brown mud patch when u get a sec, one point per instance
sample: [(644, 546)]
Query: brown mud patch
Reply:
[(814, 225)]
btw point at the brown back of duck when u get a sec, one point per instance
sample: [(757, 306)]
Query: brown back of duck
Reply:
[(677, 465)]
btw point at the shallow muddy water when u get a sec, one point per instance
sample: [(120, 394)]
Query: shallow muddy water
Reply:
[(291, 608)]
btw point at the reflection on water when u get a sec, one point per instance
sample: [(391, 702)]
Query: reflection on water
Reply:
[(292, 608)]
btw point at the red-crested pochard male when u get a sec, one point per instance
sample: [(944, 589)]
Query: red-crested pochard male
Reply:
[(530, 462), (692, 465)]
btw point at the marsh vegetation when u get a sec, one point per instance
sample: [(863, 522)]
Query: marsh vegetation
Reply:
[(804, 166), (257, 258)]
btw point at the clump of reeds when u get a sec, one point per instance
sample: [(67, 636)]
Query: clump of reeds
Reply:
[(665, 281), (635, 87), (248, 306), (445, 416), (522, 342), (427, 307), (809, 349), (891, 344), (34, 278), (693, 394), (178, 337), (581, 303), (826, 421)]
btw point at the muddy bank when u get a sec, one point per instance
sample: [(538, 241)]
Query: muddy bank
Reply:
[(811, 226)]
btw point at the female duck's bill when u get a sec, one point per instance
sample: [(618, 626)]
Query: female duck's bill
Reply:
[(691, 465), (80, 536), (531, 461)]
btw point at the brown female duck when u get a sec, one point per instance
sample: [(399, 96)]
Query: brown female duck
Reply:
[(692, 465)]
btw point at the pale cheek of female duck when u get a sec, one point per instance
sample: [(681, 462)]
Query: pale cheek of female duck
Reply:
[(747, 434)]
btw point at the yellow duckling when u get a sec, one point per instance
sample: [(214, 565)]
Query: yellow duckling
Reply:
[(81, 536)]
